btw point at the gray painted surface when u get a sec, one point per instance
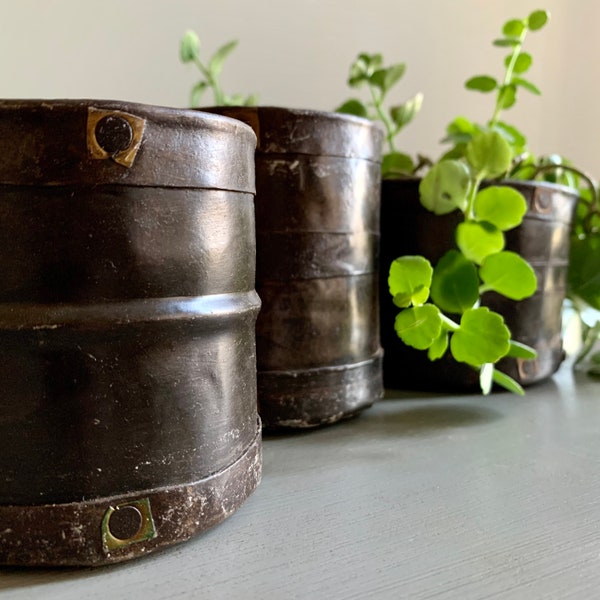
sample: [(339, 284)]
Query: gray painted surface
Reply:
[(420, 497)]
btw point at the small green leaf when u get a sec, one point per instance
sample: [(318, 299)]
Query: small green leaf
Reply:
[(523, 62), (410, 278), (519, 350), (419, 326), (481, 83), (438, 347), (584, 268), (513, 28), (537, 19), (404, 113), (507, 42), (445, 187), (508, 274), (353, 107), (189, 47), (481, 338), (486, 374), (396, 164), (478, 240), (455, 284), (215, 66), (527, 85), (377, 79), (393, 74), (508, 383), (512, 135), (501, 206), (489, 154), (197, 92), (507, 96), (251, 100)]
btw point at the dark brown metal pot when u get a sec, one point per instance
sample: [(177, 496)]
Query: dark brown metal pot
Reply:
[(317, 220), (542, 239), (128, 417)]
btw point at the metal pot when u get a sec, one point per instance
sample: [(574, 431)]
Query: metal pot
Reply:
[(128, 417)]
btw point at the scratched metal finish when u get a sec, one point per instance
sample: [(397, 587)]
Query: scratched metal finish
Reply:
[(317, 220), (542, 239), (127, 328)]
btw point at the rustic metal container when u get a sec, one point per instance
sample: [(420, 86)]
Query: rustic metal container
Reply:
[(542, 239), (317, 219), (128, 417)]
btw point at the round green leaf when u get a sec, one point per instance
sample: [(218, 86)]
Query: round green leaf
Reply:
[(527, 85), (523, 62), (489, 154), (396, 164), (501, 206), (481, 338), (353, 107), (409, 280), (507, 96), (537, 19), (403, 114), (584, 269), (419, 326), (189, 47), (478, 240), (508, 274), (445, 187), (439, 346), (481, 83), (455, 284), (513, 28)]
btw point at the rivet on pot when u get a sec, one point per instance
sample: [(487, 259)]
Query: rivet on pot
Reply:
[(113, 134), (126, 524)]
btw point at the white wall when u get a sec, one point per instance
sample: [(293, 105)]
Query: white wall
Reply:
[(297, 53)]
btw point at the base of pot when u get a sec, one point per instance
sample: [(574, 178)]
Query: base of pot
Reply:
[(314, 397), (118, 528)]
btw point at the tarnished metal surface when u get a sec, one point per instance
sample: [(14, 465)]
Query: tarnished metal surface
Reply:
[(127, 324), (542, 239), (317, 220)]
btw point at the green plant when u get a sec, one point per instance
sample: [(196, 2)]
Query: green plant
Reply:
[(189, 52), (368, 70), (441, 307)]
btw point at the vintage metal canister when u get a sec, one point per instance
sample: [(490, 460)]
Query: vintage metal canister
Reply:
[(317, 218), (128, 417)]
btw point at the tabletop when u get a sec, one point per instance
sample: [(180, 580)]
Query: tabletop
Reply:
[(422, 496)]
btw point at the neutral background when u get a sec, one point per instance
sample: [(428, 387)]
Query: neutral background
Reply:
[(297, 53)]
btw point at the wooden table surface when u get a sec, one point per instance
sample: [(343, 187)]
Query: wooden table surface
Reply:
[(421, 497)]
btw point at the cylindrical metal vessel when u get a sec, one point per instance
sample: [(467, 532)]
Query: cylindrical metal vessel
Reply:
[(542, 239), (128, 416), (317, 220)]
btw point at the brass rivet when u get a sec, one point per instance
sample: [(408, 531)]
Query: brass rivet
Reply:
[(113, 134), (125, 523)]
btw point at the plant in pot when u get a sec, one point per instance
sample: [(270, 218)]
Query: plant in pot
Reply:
[(482, 239), (318, 350)]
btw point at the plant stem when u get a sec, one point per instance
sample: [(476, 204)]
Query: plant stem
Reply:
[(508, 75), (389, 128), (212, 82), (475, 183)]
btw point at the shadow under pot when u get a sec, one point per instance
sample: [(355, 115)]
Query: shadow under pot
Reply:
[(317, 220), (542, 239), (128, 417)]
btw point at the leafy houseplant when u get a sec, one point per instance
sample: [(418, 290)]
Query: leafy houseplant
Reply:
[(368, 71), (446, 309), (189, 52)]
